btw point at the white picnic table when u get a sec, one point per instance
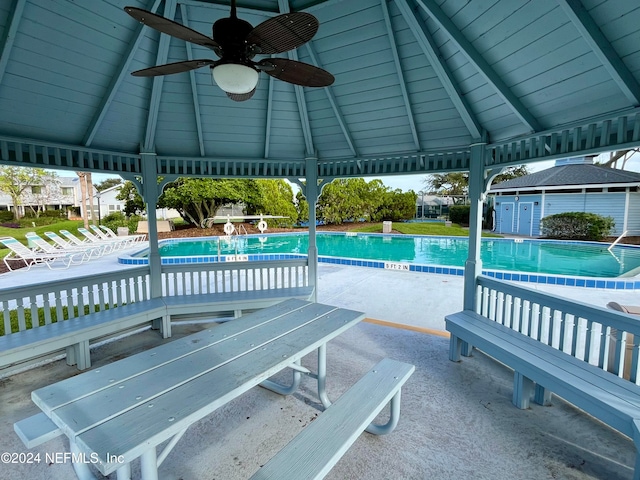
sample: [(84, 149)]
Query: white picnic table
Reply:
[(120, 412)]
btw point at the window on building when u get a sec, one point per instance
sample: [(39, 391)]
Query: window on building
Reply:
[(36, 189), (67, 190)]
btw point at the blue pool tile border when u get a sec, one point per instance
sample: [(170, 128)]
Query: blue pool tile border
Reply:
[(585, 282)]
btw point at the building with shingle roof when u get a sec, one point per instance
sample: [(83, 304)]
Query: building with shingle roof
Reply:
[(572, 185)]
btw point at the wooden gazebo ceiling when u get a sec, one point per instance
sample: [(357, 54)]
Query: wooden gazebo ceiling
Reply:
[(417, 83)]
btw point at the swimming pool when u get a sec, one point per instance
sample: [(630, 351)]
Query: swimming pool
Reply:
[(502, 258)]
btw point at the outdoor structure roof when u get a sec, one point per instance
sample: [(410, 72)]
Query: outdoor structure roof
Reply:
[(417, 83), (582, 174)]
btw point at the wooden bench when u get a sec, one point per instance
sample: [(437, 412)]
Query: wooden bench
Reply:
[(540, 369), (75, 334), (98, 413), (236, 302), (315, 451)]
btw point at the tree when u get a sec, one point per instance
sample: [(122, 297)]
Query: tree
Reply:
[(302, 207), (15, 181), (197, 199), (83, 197), (276, 198), (355, 199), (133, 203), (397, 206), (108, 183), (350, 199), (457, 183)]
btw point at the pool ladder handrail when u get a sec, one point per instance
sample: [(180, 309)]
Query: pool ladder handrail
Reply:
[(617, 240)]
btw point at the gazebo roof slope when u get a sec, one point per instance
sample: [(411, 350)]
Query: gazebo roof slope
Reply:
[(413, 77), (581, 174)]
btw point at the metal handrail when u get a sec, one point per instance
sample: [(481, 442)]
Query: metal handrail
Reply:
[(617, 240)]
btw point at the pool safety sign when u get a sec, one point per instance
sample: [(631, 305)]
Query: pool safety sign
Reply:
[(396, 266)]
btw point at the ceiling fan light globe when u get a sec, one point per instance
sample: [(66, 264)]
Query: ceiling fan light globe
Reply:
[(234, 78)]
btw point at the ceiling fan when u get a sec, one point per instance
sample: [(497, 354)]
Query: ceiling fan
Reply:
[(236, 42)]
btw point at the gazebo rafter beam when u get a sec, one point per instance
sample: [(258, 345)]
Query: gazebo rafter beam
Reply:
[(431, 8)]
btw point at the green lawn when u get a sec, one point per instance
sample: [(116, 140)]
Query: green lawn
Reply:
[(423, 228)]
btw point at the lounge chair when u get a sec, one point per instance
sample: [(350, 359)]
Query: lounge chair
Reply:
[(63, 244), (76, 254), (108, 247), (631, 309), (126, 241), (110, 233), (93, 239), (23, 254)]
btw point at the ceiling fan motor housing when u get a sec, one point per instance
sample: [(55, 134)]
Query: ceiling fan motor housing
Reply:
[(231, 33)]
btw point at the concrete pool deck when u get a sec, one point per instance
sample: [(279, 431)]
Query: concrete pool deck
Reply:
[(457, 419)]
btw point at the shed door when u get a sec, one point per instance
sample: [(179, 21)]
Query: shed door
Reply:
[(506, 217), (525, 218)]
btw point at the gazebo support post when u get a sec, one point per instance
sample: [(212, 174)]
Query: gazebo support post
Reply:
[(150, 193), (473, 265), (311, 191)]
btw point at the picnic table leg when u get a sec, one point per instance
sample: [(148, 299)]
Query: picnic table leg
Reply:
[(322, 376), (393, 420), (149, 465), (82, 469), (124, 472), (282, 389)]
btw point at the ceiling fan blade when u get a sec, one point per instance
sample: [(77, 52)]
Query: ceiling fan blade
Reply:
[(283, 33), (170, 27), (241, 97), (170, 68), (298, 73)]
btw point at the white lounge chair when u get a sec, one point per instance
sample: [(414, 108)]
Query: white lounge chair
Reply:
[(126, 241), (108, 247), (63, 244), (110, 233), (76, 254), (28, 257), (93, 239)]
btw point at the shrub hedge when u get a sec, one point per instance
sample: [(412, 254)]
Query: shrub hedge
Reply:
[(577, 226), (459, 214)]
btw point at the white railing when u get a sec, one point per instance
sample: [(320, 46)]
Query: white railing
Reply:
[(592, 334), (221, 277), (54, 301)]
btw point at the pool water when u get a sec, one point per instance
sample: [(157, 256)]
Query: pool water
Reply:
[(585, 259)]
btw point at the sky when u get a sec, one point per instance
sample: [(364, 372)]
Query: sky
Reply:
[(416, 182)]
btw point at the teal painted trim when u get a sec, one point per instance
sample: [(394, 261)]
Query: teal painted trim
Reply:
[(483, 67), (192, 80), (10, 36), (601, 47), (430, 50), (116, 80), (403, 84)]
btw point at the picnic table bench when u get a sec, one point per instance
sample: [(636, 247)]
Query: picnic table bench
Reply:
[(125, 410)]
